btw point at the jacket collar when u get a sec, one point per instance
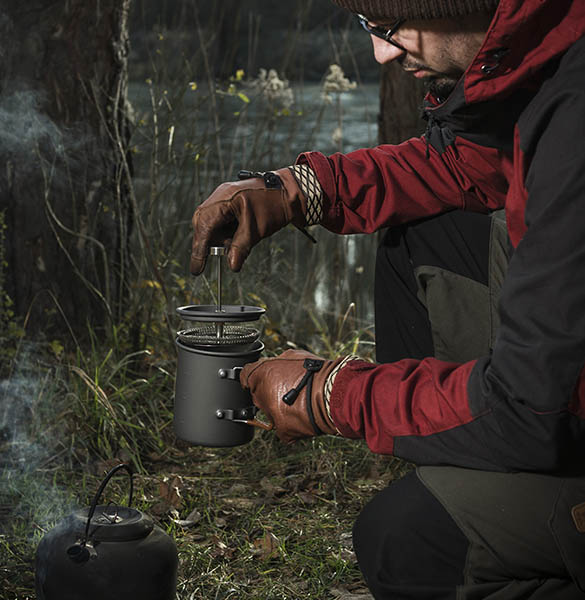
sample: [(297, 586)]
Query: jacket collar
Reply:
[(524, 38)]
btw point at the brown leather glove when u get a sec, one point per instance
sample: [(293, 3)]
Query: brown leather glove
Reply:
[(290, 390), (239, 214)]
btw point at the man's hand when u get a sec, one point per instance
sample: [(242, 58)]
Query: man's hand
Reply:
[(291, 390), (241, 213)]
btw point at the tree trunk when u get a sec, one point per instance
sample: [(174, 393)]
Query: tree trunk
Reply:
[(64, 171), (401, 99)]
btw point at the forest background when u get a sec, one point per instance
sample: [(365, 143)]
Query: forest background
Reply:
[(117, 119)]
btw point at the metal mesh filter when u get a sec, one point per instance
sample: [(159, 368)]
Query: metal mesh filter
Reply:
[(225, 335)]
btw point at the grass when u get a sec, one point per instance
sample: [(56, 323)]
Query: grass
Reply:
[(279, 522), (270, 521)]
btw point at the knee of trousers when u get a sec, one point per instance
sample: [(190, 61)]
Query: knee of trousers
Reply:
[(382, 529), (405, 535)]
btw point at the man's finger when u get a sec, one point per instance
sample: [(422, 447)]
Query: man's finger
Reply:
[(240, 246), (199, 250), (248, 370), (212, 226), (236, 257), (197, 264)]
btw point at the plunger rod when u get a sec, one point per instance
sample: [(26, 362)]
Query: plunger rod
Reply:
[(218, 251), (219, 284)]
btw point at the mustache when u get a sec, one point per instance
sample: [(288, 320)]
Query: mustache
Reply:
[(411, 65)]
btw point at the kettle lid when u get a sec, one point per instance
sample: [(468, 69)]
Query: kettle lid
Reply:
[(111, 522)]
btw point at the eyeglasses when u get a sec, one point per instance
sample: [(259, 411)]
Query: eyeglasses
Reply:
[(382, 32)]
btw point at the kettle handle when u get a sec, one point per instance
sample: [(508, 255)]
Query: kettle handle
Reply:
[(100, 491)]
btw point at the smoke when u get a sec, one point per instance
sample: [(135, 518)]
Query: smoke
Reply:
[(17, 399), (25, 129), (30, 448), (32, 145)]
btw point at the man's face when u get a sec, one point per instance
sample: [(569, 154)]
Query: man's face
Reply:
[(438, 51)]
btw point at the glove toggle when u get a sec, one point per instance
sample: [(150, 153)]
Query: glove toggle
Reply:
[(272, 180), (312, 366)]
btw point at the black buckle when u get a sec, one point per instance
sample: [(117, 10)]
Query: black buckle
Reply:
[(313, 364), (271, 180)]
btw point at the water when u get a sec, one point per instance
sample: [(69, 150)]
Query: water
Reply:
[(189, 142), (310, 123)]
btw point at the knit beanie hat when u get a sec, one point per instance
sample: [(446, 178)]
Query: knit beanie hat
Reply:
[(417, 9)]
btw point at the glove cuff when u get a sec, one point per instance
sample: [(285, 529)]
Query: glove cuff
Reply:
[(311, 188), (328, 387)]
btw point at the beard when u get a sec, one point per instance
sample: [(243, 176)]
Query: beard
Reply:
[(440, 88), (441, 84)]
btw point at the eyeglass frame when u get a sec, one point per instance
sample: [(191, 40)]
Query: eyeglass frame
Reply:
[(382, 32)]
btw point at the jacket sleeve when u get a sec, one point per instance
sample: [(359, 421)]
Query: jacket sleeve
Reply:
[(370, 189), (522, 407)]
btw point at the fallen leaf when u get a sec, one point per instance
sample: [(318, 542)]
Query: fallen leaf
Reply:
[(240, 503), (270, 488), (348, 556), (160, 509), (192, 519), (179, 449), (194, 516), (220, 522), (170, 491), (340, 593), (238, 489), (193, 537), (266, 547), (346, 539), (346, 552), (102, 467), (307, 497), (221, 549)]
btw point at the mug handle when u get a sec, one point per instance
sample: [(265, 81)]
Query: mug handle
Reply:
[(245, 415), (261, 424), (234, 375)]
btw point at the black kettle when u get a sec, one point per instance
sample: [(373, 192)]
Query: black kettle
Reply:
[(106, 552)]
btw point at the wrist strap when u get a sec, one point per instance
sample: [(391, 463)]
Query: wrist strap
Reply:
[(312, 366), (309, 402)]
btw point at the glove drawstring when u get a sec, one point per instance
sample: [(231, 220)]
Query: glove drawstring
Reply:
[(312, 366)]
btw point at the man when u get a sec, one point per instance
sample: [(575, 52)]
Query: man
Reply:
[(482, 387)]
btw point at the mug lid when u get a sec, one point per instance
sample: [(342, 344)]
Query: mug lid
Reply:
[(229, 312)]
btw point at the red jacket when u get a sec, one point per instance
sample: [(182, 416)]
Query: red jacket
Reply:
[(511, 135)]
